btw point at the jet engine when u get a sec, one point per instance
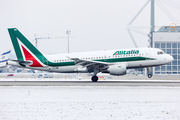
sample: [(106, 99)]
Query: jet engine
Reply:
[(118, 69)]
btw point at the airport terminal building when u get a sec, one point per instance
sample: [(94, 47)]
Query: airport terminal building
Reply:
[(169, 41)]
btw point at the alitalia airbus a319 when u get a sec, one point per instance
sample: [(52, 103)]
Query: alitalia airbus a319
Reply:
[(114, 62)]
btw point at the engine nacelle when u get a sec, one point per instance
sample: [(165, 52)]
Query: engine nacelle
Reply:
[(119, 69)]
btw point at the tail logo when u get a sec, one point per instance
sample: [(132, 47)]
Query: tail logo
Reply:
[(24, 49), (28, 56)]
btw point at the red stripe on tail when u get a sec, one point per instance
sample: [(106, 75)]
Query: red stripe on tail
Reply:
[(28, 56)]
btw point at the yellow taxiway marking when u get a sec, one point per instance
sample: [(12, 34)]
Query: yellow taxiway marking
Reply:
[(173, 77)]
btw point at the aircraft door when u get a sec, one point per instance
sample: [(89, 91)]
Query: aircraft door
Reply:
[(105, 58), (148, 53)]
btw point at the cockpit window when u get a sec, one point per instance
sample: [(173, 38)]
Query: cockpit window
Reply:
[(160, 52)]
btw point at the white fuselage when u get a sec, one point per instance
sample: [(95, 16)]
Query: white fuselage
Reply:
[(146, 57)]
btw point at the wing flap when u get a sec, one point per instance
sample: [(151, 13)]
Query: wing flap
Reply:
[(90, 63)]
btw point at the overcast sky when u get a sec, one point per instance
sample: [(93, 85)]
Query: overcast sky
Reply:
[(94, 24)]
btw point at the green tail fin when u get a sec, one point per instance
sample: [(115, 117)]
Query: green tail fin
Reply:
[(17, 40)]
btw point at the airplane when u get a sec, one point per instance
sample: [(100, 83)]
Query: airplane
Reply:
[(114, 62), (3, 59)]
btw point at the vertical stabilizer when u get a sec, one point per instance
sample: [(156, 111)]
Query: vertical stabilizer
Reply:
[(25, 50)]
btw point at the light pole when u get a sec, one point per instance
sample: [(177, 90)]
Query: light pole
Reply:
[(152, 28), (68, 32)]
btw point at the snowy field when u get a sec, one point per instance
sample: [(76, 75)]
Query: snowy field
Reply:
[(89, 103)]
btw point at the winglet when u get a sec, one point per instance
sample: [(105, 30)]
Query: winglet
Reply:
[(69, 58)]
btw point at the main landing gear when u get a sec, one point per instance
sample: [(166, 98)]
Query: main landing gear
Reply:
[(94, 77), (149, 72)]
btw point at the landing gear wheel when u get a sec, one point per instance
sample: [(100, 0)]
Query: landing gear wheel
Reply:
[(149, 75), (94, 79)]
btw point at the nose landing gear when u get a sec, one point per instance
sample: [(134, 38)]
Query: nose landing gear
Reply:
[(149, 75), (149, 72)]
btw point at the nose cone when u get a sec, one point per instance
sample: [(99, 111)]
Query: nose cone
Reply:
[(171, 58)]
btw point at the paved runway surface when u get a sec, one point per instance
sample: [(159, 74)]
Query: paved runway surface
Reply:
[(89, 83)]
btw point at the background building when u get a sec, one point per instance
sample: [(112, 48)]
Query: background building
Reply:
[(168, 40)]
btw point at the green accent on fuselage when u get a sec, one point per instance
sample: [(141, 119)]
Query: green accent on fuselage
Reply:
[(125, 59), (70, 63), (109, 60)]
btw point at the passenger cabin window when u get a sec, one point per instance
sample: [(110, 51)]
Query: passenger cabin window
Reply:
[(160, 52)]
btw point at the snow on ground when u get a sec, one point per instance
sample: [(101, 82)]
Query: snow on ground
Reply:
[(89, 103)]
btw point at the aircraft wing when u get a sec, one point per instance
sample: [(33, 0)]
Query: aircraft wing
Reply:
[(91, 64)]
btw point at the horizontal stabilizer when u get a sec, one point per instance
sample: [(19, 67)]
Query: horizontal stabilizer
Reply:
[(19, 63)]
